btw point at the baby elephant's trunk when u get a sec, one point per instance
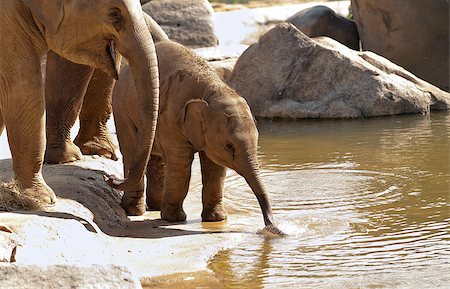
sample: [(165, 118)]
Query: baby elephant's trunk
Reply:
[(253, 178)]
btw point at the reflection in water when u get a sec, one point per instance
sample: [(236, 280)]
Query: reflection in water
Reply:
[(366, 203)]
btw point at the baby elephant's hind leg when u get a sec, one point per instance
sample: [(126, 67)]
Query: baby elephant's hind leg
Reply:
[(132, 201), (155, 182)]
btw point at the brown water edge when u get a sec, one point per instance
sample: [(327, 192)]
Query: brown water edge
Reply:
[(202, 279), (366, 203)]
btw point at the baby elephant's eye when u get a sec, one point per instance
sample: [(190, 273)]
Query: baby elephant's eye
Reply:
[(230, 148)]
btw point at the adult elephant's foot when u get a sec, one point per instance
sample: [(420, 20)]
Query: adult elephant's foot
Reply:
[(63, 152), (37, 196), (133, 205), (172, 213), (214, 213), (101, 145)]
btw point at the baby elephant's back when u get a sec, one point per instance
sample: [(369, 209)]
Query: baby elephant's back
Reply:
[(174, 57)]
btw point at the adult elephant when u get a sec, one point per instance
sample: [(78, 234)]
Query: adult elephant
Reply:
[(323, 21), (85, 32), (89, 98)]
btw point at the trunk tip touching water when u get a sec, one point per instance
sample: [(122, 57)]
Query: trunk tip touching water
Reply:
[(257, 186), (272, 231)]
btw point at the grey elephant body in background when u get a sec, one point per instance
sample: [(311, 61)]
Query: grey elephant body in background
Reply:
[(198, 113), (323, 21), (86, 32)]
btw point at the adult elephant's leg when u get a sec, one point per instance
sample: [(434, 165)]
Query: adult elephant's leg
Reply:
[(133, 201), (93, 137), (213, 178), (24, 117), (176, 183), (65, 85), (155, 182)]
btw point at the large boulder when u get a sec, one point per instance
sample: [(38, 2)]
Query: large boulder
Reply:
[(189, 22), (323, 21), (288, 74), (411, 33)]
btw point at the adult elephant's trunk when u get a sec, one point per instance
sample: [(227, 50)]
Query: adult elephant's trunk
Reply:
[(138, 48)]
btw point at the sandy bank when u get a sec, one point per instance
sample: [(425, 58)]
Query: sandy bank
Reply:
[(88, 226)]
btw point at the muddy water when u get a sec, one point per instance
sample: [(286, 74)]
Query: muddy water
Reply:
[(366, 204)]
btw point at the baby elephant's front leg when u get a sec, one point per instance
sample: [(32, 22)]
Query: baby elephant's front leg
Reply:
[(133, 201), (176, 184), (213, 178)]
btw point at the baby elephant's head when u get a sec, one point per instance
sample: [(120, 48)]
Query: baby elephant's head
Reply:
[(224, 129)]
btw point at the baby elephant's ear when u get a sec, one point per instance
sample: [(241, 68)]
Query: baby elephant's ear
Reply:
[(191, 121), (49, 12)]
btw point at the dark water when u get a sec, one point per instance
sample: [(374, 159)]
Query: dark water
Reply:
[(366, 204)]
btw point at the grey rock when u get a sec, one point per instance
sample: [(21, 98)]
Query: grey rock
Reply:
[(288, 74), (189, 22), (66, 276), (411, 33)]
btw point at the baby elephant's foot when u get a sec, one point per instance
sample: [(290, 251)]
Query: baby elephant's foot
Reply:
[(57, 153), (153, 204), (214, 214), (173, 214), (134, 206), (155, 192)]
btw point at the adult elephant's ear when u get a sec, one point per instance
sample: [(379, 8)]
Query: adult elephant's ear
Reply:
[(49, 12), (191, 121)]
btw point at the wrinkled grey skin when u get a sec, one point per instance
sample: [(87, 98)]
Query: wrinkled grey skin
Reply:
[(323, 21), (86, 32), (198, 113)]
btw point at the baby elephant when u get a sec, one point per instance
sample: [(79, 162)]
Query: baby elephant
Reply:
[(198, 113)]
